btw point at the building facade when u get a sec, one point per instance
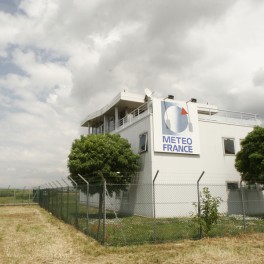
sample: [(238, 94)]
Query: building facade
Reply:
[(177, 142)]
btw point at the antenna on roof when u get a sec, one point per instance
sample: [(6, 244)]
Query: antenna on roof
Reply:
[(148, 92)]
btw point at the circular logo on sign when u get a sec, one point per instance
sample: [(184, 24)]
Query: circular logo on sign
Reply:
[(176, 118)]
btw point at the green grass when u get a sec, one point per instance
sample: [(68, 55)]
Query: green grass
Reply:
[(138, 230), (127, 230)]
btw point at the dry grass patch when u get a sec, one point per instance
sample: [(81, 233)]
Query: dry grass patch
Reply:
[(31, 235)]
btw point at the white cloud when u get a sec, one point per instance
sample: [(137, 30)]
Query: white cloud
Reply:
[(71, 53), (39, 9)]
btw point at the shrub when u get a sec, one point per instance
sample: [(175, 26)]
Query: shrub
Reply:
[(209, 214)]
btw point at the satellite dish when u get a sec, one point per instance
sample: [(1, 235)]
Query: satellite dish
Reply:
[(148, 93)]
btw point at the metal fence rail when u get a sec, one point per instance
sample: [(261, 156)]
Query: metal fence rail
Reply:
[(134, 215)]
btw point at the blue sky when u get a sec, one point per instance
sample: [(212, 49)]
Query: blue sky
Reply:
[(62, 59)]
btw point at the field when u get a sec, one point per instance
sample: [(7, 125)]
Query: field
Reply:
[(29, 234), (15, 196)]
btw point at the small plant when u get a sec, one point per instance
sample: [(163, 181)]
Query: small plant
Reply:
[(209, 214)]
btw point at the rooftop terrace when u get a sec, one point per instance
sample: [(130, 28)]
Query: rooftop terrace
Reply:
[(206, 113)]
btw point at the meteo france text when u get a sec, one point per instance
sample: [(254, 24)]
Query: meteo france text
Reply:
[(177, 144)]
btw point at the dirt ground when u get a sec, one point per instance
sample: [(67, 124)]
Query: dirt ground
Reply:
[(29, 234)]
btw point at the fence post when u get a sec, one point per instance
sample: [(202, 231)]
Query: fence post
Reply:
[(243, 205), (39, 195), (45, 197), (57, 199), (199, 205), (103, 207), (50, 185), (76, 201), (104, 212), (68, 199), (154, 206), (61, 201), (87, 202)]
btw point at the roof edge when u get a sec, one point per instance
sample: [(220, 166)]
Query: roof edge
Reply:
[(119, 97)]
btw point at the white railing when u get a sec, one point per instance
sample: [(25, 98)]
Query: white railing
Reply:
[(204, 114), (133, 116), (230, 117)]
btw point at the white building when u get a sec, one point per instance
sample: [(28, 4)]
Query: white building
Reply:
[(180, 140)]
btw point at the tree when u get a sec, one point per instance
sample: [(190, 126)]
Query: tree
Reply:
[(109, 155), (250, 159)]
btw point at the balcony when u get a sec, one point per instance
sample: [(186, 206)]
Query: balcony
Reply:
[(228, 117), (132, 117)]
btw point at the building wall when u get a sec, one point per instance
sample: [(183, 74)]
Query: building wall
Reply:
[(177, 170), (138, 199), (175, 189), (218, 167), (175, 185)]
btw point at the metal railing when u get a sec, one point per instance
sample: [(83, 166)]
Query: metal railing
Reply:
[(204, 114), (230, 117), (133, 116)]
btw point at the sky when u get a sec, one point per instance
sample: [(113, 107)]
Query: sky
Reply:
[(63, 59)]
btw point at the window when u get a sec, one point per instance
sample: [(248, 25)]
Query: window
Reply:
[(232, 185), (143, 142), (229, 146)]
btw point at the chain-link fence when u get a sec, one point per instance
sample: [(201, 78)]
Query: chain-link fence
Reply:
[(140, 213), (16, 196)]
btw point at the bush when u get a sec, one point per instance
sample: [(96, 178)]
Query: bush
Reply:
[(209, 214)]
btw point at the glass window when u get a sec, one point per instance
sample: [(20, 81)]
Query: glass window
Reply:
[(229, 146), (143, 142), (232, 185)]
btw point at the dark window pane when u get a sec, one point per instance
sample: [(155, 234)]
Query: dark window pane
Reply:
[(143, 142), (229, 146), (232, 185)]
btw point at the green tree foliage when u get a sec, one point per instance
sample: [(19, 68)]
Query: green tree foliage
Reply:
[(250, 159), (209, 213), (108, 155)]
